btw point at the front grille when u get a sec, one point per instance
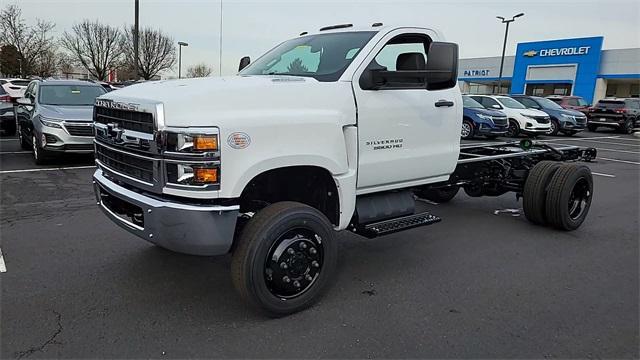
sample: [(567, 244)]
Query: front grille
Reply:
[(581, 120), (79, 130), (78, 146), (542, 119), (500, 121), (133, 166), (130, 120)]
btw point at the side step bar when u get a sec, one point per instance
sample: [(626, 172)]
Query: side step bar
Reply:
[(398, 224)]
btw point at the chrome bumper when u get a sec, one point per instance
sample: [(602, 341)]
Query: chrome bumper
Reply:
[(190, 229)]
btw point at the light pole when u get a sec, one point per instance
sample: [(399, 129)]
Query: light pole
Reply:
[(504, 44), (136, 39), (180, 45)]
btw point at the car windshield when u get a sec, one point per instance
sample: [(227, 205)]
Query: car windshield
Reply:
[(70, 95), (470, 103), (510, 103), (324, 57), (548, 104)]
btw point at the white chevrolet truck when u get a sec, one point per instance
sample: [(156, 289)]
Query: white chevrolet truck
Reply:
[(341, 129)]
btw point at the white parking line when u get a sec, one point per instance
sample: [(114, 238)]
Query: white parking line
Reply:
[(3, 267), (46, 169), (14, 152), (8, 139), (618, 160), (620, 151), (601, 174), (585, 138)]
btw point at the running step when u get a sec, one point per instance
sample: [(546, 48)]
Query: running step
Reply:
[(398, 224)]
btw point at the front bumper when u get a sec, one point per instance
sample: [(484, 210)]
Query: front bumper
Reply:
[(486, 129), (59, 140), (190, 229)]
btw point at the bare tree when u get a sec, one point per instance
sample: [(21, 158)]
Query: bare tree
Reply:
[(47, 64), (199, 70), (30, 41), (66, 64), (97, 47), (157, 52)]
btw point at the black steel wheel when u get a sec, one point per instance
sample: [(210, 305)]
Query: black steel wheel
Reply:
[(284, 258), (514, 129), (569, 196), (535, 191)]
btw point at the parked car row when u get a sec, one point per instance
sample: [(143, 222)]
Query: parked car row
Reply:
[(514, 115)]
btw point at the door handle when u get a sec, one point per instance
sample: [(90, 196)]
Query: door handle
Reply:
[(441, 103)]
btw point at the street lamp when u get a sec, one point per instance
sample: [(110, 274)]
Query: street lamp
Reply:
[(504, 44), (180, 45)]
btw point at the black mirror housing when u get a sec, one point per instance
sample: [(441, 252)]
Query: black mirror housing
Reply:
[(244, 62), (442, 66)]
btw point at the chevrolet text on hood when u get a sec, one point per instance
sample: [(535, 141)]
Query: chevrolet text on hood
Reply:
[(332, 130)]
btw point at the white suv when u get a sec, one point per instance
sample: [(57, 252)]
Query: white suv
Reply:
[(15, 87), (521, 119)]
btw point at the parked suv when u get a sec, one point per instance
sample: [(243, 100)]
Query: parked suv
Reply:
[(566, 121), (56, 116), (480, 121), (620, 114), (521, 120), (570, 102)]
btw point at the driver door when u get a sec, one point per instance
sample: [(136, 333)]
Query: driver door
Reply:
[(407, 136)]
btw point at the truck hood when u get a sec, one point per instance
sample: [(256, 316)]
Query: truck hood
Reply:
[(73, 113), (212, 100)]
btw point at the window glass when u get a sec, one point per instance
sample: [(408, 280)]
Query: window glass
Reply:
[(390, 52), (510, 103), (581, 102), (28, 93), (70, 95), (547, 104), (528, 102), (468, 102), (489, 102), (572, 102), (324, 57)]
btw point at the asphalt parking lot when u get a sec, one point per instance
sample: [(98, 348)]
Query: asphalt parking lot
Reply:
[(476, 285)]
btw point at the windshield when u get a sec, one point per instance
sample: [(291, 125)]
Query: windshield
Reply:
[(510, 103), (324, 57), (548, 104), (470, 103), (70, 95)]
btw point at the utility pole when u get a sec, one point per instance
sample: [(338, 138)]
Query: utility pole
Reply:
[(504, 44), (180, 45), (136, 36)]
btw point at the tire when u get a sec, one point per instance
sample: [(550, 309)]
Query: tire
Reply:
[(439, 195), (628, 127), (40, 155), (23, 143), (555, 127), (569, 196), (467, 131), (535, 191), (514, 128), (592, 128), (282, 228)]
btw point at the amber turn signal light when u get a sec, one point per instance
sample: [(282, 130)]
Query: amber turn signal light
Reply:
[(205, 142), (205, 175)]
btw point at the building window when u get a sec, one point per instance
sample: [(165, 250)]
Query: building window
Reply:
[(612, 89), (635, 90)]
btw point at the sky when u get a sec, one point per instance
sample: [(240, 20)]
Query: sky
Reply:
[(253, 27)]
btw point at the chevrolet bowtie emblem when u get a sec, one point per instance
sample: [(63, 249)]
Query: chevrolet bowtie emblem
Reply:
[(530, 53)]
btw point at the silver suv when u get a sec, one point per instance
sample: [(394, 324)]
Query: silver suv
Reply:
[(56, 116)]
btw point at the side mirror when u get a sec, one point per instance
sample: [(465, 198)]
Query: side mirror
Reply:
[(496, 106), (244, 62), (442, 66), (24, 101)]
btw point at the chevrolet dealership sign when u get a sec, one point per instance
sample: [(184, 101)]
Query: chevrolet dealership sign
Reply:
[(565, 51)]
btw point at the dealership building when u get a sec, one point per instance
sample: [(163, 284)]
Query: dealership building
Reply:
[(557, 67)]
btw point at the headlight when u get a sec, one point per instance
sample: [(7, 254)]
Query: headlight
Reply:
[(568, 117), (485, 117), (192, 143), (53, 123)]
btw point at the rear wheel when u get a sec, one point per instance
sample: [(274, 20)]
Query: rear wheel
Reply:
[(592, 128), (569, 196), (514, 128), (285, 258), (439, 195), (627, 128), (535, 191), (467, 130)]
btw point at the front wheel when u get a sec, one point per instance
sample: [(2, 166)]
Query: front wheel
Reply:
[(554, 127), (569, 195), (514, 129), (627, 128), (285, 258), (467, 130), (40, 155)]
